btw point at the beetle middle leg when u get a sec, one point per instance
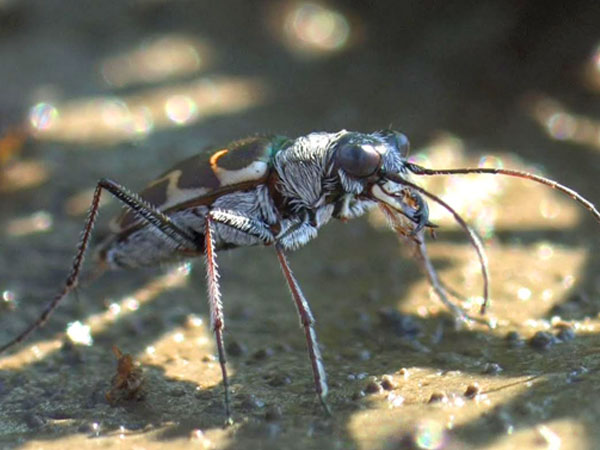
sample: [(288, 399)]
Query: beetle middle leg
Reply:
[(307, 321), (256, 228)]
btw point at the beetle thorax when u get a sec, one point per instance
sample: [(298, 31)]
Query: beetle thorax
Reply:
[(305, 171)]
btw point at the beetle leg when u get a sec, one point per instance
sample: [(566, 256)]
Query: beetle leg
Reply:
[(438, 286), (151, 214), (307, 321), (297, 234), (434, 281), (148, 212), (216, 307), (244, 224)]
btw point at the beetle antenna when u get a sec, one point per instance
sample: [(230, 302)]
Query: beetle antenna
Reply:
[(473, 237), (418, 170)]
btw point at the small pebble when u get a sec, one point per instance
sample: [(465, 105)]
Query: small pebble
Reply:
[(514, 339), (263, 353), (358, 395), (273, 413), (492, 369), (177, 392), (34, 421), (542, 340), (576, 375), (472, 390), (565, 334), (388, 383), (278, 379), (373, 387), (437, 397), (401, 325), (209, 358), (364, 355), (234, 348), (251, 402)]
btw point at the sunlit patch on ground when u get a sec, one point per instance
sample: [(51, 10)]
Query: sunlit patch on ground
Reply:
[(448, 405), (166, 57), (495, 205), (82, 332), (109, 120)]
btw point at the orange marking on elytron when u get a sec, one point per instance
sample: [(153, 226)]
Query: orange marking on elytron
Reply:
[(215, 157)]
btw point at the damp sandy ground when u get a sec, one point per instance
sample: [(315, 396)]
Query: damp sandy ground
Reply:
[(126, 89)]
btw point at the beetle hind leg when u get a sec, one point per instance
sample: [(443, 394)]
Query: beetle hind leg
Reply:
[(216, 308)]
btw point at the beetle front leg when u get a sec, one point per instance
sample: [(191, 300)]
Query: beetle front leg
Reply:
[(307, 321), (432, 276), (244, 224), (438, 286), (216, 308)]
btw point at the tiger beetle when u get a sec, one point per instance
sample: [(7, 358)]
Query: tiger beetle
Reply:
[(274, 191)]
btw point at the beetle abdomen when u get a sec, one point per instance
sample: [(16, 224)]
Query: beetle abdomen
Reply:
[(145, 245)]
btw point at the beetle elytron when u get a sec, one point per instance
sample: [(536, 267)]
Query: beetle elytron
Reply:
[(278, 192)]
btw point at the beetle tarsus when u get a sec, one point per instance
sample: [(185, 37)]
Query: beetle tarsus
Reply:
[(325, 406)]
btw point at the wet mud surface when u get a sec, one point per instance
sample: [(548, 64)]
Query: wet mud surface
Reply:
[(127, 89)]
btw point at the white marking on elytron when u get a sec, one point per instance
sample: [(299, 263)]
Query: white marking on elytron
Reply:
[(174, 194), (251, 172)]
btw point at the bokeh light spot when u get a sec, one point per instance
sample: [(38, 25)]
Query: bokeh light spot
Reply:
[(524, 294), (545, 251), (154, 60), (181, 109), (79, 333), (561, 126), (312, 28), (429, 435), (549, 209), (491, 161), (35, 223), (43, 116)]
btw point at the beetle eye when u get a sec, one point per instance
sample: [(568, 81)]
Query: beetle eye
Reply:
[(359, 160), (396, 140)]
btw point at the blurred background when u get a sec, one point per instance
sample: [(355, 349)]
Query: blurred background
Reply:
[(125, 89)]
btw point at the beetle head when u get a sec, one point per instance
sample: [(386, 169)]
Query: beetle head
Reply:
[(374, 167)]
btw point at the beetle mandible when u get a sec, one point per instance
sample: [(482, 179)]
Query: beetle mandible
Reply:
[(273, 191)]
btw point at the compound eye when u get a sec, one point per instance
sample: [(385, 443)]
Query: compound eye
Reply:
[(358, 160), (396, 140)]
